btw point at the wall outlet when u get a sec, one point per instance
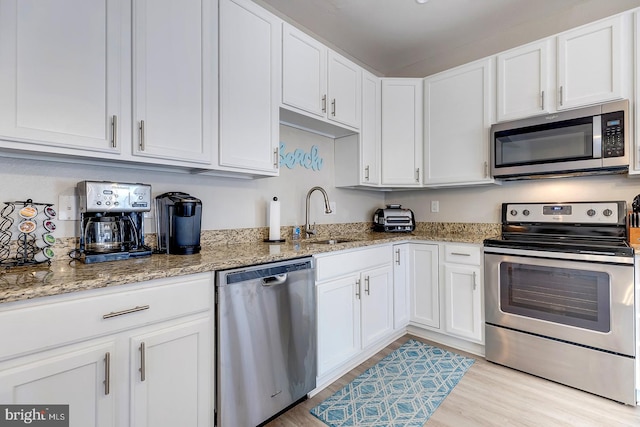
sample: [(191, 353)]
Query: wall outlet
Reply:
[(332, 205), (68, 208), (435, 206)]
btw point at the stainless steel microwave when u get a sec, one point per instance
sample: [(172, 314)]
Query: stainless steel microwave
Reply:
[(585, 141)]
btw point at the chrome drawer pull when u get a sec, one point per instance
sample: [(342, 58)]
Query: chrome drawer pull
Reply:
[(460, 253), (128, 311)]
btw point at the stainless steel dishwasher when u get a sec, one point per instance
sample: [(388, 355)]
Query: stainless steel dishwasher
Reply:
[(265, 340)]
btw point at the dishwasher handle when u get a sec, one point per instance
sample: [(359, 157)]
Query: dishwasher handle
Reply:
[(274, 280)]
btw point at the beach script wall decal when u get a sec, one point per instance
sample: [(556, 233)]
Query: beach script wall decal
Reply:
[(308, 160)]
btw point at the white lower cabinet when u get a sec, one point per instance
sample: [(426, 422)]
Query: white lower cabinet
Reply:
[(424, 308), (463, 308), (137, 356), (355, 303)]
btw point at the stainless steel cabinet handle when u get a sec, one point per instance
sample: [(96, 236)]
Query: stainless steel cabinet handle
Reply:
[(475, 282), (398, 256), (141, 144), (143, 362), (366, 285), (107, 373), (324, 103), (333, 107), (366, 173), (560, 95), (358, 289), (486, 169), (114, 131), (542, 100), (276, 157), (460, 254), (417, 174), (127, 311)]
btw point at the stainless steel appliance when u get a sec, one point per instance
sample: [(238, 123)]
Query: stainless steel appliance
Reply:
[(178, 222), (394, 218), (265, 340), (559, 295), (592, 140), (112, 220)]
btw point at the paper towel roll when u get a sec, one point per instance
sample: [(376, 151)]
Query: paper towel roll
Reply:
[(274, 219)]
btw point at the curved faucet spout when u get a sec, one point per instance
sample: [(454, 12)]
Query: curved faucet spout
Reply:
[(327, 208)]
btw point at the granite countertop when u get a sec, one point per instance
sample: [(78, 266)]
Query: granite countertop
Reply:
[(62, 276)]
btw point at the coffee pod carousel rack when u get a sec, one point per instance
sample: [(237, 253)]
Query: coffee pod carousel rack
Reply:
[(24, 233)]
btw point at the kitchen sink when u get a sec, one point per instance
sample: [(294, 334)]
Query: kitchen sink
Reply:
[(331, 241)]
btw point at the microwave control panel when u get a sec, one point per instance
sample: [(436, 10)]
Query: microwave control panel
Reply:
[(613, 134)]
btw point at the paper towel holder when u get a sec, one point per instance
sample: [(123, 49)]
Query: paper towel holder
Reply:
[(275, 199)]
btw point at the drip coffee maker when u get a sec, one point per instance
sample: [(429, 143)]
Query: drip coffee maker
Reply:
[(112, 220)]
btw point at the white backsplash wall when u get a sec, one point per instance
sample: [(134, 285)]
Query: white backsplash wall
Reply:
[(228, 203), (483, 203)]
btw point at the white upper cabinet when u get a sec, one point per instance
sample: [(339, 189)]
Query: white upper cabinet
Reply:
[(574, 69), (60, 74), (173, 79), (590, 64), (456, 125), (370, 130), (250, 76), (401, 132), (525, 81), (317, 81)]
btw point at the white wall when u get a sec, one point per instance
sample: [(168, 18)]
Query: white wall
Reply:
[(483, 204), (227, 202)]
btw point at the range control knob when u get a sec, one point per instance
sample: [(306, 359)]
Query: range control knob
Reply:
[(513, 212), (607, 212), (526, 212), (591, 212)]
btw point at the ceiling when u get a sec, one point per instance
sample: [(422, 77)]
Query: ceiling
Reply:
[(406, 39)]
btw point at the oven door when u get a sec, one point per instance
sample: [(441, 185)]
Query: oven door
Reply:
[(582, 299)]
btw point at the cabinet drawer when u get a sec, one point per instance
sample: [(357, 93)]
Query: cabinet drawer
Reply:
[(343, 263), (42, 324), (462, 254)]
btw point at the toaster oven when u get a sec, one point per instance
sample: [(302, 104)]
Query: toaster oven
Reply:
[(394, 218)]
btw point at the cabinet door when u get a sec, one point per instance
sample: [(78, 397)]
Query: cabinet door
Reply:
[(590, 64), (370, 130), (77, 376), (344, 86), (60, 66), (456, 125), (338, 322), (463, 302), (376, 293), (304, 72), (423, 280), (171, 376), (523, 81), (401, 132), (173, 79), (249, 87), (401, 289)]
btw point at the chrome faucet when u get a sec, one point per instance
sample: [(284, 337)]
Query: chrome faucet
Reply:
[(327, 208)]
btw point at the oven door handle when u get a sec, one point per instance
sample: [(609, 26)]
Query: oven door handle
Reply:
[(592, 257)]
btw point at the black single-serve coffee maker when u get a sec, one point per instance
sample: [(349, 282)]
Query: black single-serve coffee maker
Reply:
[(178, 221)]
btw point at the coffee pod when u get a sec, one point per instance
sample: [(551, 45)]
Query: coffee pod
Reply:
[(48, 226), (46, 240), (28, 212), (44, 255), (50, 212), (27, 226)]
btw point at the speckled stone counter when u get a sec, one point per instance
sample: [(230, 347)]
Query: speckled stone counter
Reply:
[(218, 253)]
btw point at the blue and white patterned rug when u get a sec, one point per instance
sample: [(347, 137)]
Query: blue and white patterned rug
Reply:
[(402, 390)]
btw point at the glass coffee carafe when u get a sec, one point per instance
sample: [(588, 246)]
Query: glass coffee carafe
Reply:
[(106, 234)]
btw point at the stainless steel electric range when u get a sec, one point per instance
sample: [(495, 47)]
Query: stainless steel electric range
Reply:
[(559, 295)]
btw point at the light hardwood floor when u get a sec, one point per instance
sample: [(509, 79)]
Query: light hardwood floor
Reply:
[(492, 395)]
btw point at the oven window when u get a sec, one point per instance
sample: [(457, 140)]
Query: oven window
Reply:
[(567, 296)]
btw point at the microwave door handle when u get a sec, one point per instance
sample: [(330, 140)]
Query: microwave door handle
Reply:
[(597, 137)]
